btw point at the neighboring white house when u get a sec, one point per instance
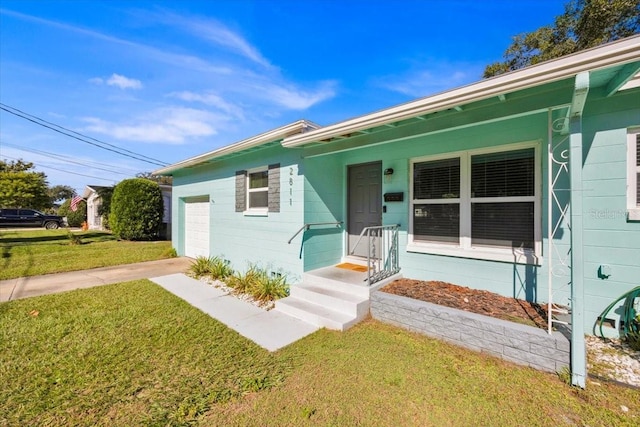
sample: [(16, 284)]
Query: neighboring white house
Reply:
[(93, 199)]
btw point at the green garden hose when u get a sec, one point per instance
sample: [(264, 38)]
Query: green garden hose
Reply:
[(629, 318)]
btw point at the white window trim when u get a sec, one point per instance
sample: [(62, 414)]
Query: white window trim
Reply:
[(464, 248), (633, 205), (256, 211)]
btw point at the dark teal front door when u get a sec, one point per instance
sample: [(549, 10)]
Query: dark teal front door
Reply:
[(364, 203)]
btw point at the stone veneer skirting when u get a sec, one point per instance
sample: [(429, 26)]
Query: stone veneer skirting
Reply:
[(521, 344)]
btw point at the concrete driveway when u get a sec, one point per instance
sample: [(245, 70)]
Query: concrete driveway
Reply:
[(25, 287)]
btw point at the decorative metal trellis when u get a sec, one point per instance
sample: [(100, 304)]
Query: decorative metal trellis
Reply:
[(559, 217)]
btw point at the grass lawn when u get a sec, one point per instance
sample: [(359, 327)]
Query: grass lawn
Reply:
[(31, 253), (133, 354)]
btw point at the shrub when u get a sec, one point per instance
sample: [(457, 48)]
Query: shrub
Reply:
[(270, 287), (136, 209), (74, 219), (170, 253), (260, 284), (243, 283), (74, 239), (215, 267)]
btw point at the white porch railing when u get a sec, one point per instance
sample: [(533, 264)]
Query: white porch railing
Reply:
[(382, 252)]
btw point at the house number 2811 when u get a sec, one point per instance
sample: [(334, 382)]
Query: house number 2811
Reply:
[(290, 186)]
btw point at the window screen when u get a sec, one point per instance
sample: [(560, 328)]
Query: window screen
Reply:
[(258, 190)]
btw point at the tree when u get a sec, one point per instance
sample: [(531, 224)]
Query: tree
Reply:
[(74, 218), (15, 166), (136, 209), (60, 192), (584, 24), (160, 179), (22, 188)]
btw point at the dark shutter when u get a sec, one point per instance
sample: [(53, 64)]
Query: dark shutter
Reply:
[(241, 191), (274, 187)]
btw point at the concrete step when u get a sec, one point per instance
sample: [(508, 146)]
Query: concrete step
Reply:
[(315, 314), (346, 281), (332, 299)]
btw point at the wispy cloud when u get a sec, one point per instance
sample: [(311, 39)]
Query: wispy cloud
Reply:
[(124, 82), (210, 99), (173, 59), (172, 125), (294, 98), (430, 78), (119, 81), (256, 87), (216, 32)]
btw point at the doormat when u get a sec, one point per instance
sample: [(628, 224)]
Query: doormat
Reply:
[(353, 267)]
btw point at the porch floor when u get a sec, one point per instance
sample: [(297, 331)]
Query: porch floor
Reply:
[(348, 277), (343, 275)]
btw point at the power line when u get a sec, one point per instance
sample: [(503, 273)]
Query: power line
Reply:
[(80, 137), (67, 159), (65, 171)]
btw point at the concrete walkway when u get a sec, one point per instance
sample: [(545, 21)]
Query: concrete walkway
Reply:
[(25, 287), (271, 329)]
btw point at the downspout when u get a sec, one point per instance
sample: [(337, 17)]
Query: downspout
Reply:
[(578, 346)]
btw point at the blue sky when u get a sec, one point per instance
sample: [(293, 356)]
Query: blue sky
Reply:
[(173, 79)]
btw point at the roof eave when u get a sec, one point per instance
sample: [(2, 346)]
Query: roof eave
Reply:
[(618, 52), (255, 141)]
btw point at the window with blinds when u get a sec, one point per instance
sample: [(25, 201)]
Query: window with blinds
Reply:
[(476, 200), (436, 193), (502, 199)]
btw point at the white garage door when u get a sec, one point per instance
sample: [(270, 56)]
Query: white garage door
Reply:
[(196, 229)]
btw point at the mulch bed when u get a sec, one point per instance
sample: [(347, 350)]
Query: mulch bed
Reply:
[(472, 300)]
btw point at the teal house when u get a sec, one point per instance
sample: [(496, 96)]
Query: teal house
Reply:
[(526, 184)]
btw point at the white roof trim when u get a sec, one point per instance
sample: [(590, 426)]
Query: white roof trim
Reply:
[(269, 136), (632, 83), (619, 52)]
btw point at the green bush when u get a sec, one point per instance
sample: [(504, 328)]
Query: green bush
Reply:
[(74, 219), (260, 284), (136, 209), (243, 283), (270, 287), (215, 267), (74, 239)]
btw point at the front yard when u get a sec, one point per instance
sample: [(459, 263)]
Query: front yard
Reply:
[(30, 253), (133, 354)]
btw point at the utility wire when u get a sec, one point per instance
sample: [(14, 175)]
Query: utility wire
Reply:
[(80, 137), (62, 170), (65, 158)]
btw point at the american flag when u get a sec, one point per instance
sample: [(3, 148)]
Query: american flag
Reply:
[(74, 202)]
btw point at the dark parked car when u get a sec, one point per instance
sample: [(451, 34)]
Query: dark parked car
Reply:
[(10, 217)]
